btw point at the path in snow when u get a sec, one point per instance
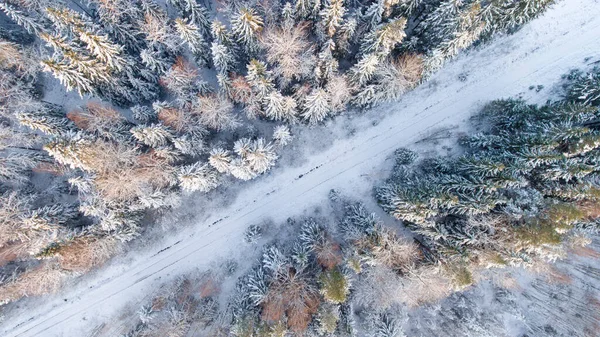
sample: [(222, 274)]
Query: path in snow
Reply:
[(538, 54)]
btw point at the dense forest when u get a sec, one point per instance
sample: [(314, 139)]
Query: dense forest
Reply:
[(181, 97), (521, 193)]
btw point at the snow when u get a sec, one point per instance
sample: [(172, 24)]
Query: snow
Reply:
[(563, 39)]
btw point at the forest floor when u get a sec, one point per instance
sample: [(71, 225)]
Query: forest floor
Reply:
[(350, 154)]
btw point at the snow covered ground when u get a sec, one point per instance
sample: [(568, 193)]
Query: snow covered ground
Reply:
[(566, 37)]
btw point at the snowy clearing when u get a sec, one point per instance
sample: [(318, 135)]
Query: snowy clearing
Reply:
[(565, 37)]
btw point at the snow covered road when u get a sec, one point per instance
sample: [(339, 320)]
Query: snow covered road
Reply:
[(563, 39)]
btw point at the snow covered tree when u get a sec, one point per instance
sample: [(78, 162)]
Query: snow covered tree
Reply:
[(316, 107), (154, 135), (31, 24), (183, 80), (246, 25), (45, 121), (103, 49), (241, 170), (345, 35), (384, 38), (364, 70), (69, 76), (327, 65), (290, 52), (372, 16), (260, 79), (521, 12), (331, 16), (195, 13), (222, 58), (282, 135), (215, 112), (586, 88), (261, 156), (302, 9), (198, 177), (191, 35), (220, 159), (339, 91), (279, 107), (391, 80)]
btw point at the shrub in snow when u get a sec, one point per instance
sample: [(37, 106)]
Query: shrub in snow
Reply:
[(405, 156), (335, 286), (252, 234)]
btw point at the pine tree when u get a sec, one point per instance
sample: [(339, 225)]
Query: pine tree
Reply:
[(220, 160), (440, 24), (246, 25), (345, 35), (279, 107), (282, 135), (103, 49), (289, 51), (372, 16), (222, 58), (363, 71), (154, 135), (71, 78), (198, 177), (215, 112), (468, 29), (259, 78), (156, 60), (220, 34), (331, 16), (586, 88), (383, 39), (14, 168), (316, 106), (197, 14), (261, 156), (303, 8), (45, 122), (67, 20), (287, 15), (327, 65), (521, 12), (241, 170), (191, 35), (31, 25)]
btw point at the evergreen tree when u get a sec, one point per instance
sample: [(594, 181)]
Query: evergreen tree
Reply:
[(246, 25), (586, 88), (282, 135), (316, 107), (198, 177), (331, 16), (220, 160), (191, 35), (363, 71), (31, 24), (259, 78), (68, 76), (303, 8), (261, 156), (383, 39), (154, 135), (222, 58), (104, 50)]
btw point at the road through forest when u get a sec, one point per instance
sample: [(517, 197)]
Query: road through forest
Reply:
[(566, 37)]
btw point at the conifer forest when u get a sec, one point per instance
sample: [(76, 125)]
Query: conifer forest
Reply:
[(288, 168)]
